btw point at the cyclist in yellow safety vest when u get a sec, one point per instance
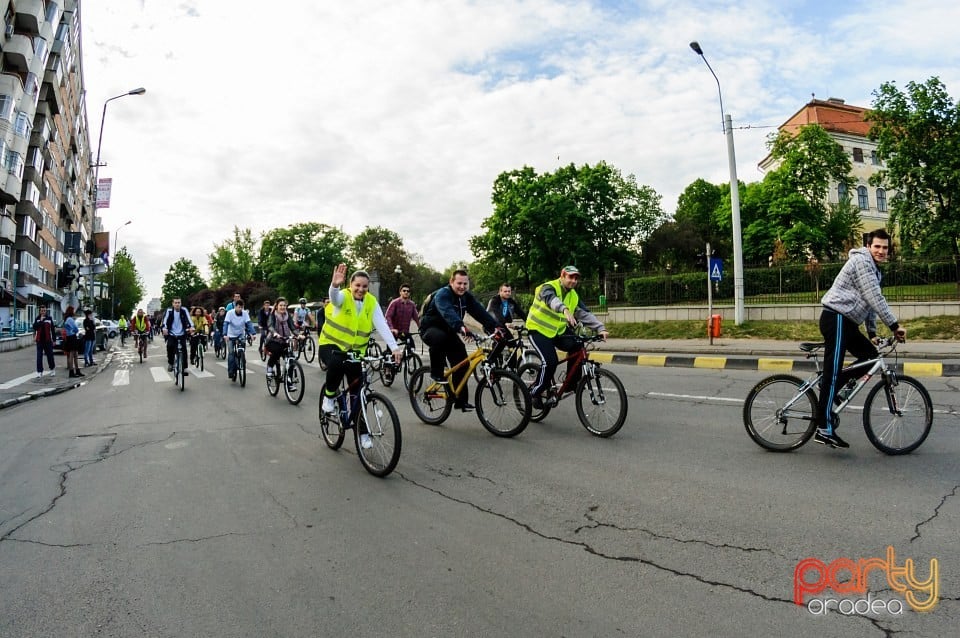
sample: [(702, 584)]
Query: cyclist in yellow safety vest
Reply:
[(349, 320), (555, 311)]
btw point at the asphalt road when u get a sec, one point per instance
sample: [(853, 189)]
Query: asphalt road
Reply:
[(128, 508)]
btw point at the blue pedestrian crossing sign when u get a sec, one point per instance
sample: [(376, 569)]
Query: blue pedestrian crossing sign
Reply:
[(716, 269)]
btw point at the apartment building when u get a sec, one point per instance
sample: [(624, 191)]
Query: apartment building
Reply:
[(848, 125), (46, 177)]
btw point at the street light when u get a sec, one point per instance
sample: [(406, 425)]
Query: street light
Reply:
[(727, 123), (113, 294), (398, 271), (96, 166)]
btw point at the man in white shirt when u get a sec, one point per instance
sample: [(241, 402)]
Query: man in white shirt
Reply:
[(236, 325)]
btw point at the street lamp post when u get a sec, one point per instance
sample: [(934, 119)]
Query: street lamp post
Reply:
[(727, 123), (113, 284), (13, 322), (96, 167)]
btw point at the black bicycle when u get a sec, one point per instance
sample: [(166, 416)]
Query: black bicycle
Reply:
[(305, 345), (240, 350), (289, 373), (197, 361), (376, 426), (179, 361), (142, 345), (410, 363)]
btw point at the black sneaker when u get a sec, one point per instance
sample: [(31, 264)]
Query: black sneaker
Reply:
[(829, 438), (536, 402), (464, 407)]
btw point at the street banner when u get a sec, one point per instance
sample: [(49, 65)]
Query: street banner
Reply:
[(103, 192)]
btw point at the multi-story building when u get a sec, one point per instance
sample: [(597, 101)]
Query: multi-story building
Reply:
[(46, 176), (848, 125)]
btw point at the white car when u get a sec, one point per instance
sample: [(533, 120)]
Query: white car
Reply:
[(111, 328)]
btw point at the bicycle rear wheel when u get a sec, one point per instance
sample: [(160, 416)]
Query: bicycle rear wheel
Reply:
[(503, 403), (200, 352), (178, 375), (309, 349), (379, 420), (273, 381), (601, 402), (411, 363), (528, 374), (778, 417), (428, 399), (898, 418), (293, 382), (331, 431)]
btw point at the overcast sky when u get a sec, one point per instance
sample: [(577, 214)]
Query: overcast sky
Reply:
[(402, 113)]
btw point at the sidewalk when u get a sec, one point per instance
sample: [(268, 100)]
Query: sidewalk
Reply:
[(18, 382)]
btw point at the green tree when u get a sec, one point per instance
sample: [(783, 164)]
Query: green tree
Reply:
[(918, 137), (298, 260), (128, 287), (233, 260), (182, 280), (380, 250), (591, 216), (696, 212)]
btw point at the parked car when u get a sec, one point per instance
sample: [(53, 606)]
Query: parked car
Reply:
[(58, 338), (101, 340), (111, 327)]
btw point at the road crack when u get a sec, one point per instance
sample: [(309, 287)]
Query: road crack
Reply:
[(936, 512)]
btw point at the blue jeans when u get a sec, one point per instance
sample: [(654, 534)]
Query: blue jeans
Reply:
[(88, 345), (232, 355)]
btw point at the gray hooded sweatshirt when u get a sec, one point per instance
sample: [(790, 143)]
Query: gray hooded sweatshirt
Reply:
[(856, 294)]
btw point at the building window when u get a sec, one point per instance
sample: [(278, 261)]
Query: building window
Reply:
[(841, 192), (22, 126), (881, 200), (13, 162), (858, 155), (862, 198), (874, 158), (6, 108)]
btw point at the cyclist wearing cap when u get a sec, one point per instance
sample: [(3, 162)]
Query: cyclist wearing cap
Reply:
[(556, 309)]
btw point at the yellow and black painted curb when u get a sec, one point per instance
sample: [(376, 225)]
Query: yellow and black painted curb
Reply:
[(766, 364)]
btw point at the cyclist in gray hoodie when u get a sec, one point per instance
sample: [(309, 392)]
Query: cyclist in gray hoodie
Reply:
[(853, 299)]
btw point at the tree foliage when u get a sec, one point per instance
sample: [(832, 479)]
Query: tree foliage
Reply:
[(590, 216), (182, 280), (918, 137), (234, 259), (298, 260), (127, 285)]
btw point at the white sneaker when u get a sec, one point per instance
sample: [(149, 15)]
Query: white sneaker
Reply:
[(329, 405), (53, 373), (269, 373), (366, 442), (39, 374)]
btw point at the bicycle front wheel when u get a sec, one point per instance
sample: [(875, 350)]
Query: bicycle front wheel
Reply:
[(380, 422), (293, 383), (242, 368), (601, 402), (778, 416), (309, 350), (180, 378), (200, 351), (428, 399), (897, 418), (411, 363), (503, 403)]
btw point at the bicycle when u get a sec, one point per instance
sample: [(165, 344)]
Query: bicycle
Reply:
[(517, 353), (197, 362), (306, 345), (219, 345), (502, 399), (179, 357), (290, 374), (142, 345), (370, 414), (780, 411), (240, 352), (601, 399), (409, 364)]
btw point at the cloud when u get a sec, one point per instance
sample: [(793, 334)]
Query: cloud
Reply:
[(402, 114)]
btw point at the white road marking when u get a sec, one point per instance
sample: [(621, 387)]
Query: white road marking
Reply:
[(15, 382), (692, 397), (121, 377), (160, 374)]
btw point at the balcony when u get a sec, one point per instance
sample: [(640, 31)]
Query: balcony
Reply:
[(30, 15), (10, 187), (8, 229), (18, 52), (11, 84)]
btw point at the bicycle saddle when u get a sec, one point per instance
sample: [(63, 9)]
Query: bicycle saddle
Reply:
[(809, 346)]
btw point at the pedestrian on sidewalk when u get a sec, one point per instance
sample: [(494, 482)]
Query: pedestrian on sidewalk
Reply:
[(43, 329), (71, 342), (89, 337)]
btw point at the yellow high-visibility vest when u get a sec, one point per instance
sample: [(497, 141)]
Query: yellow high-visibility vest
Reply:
[(345, 328), (545, 320)]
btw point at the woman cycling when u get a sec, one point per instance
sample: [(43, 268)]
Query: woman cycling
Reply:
[(279, 331), (200, 330)]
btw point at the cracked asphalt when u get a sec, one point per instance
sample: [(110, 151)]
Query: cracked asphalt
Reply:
[(138, 510)]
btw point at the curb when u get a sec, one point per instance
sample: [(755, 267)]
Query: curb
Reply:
[(46, 392), (767, 364)]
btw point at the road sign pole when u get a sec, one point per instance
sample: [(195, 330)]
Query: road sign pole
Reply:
[(709, 296)]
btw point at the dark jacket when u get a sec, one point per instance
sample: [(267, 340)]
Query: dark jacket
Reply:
[(446, 311), (43, 329), (89, 329), (514, 310)]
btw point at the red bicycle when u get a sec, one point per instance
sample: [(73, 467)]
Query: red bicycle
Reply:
[(601, 399)]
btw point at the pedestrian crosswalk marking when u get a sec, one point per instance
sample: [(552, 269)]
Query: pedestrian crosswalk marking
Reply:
[(121, 377)]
